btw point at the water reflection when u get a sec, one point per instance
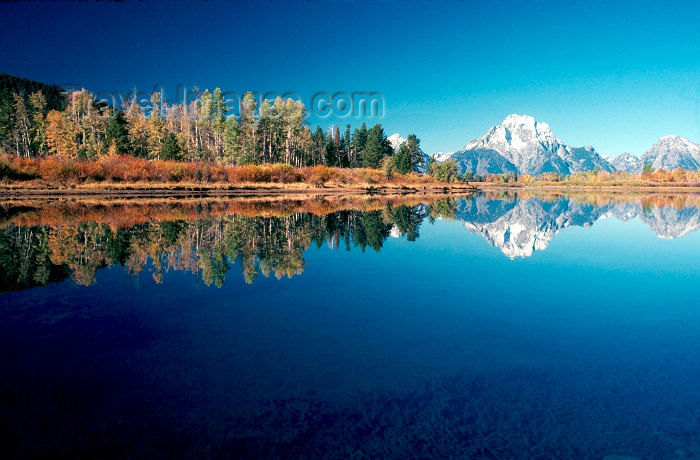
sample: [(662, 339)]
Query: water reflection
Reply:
[(521, 225), (200, 237), (42, 243)]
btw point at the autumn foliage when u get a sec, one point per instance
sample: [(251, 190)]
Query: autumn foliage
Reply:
[(62, 170)]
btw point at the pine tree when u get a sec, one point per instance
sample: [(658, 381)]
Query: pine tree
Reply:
[(118, 133), (377, 147), (415, 153), (170, 150), (330, 153), (233, 150), (318, 146), (402, 160), (359, 141)]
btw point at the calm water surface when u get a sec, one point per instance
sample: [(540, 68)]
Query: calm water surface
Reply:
[(494, 326)]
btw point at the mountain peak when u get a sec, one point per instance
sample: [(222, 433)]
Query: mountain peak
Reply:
[(395, 140), (531, 148), (516, 119), (672, 152), (627, 162)]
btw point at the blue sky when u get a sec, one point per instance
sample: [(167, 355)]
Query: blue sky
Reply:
[(615, 75)]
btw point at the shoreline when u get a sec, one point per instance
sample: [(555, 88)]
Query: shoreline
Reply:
[(652, 188), (184, 190), (176, 190)]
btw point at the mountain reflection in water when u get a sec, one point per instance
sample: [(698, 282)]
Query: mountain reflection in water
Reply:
[(519, 226), (44, 243)]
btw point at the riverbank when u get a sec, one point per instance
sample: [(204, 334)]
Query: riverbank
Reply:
[(603, 187), (183, 189)]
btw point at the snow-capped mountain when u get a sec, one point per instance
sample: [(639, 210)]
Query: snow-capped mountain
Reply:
[(672, 152), (585, 159), (395, 140), (521, 144), (627, 162), (442, 156), (528, 147)]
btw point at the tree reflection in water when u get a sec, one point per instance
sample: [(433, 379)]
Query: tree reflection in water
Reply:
[(45, 243), (201, 237)]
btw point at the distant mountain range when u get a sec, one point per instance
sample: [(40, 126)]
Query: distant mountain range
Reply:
[(524, 146)]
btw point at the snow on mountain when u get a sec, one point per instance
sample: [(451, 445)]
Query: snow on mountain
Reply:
[(627, 162), (395, 140), (585, 159), (523, 145), (531, 148), (672, 152), (442, 156)]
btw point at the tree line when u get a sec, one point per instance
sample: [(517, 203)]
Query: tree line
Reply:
[(37, 121)]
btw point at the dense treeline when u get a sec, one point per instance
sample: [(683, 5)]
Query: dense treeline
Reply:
[(35, 255), (36, 122)]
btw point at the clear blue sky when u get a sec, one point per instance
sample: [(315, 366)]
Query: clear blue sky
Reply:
[(615, 75)]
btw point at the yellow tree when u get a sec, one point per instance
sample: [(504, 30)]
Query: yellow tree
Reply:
[(137, 126), (38, 104), (156, 127), (60, 137)]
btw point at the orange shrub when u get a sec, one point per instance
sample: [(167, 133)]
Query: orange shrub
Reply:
[(126, 168), (14, 168), (370, 176), (56, 168), (91, 170), (27, 167), (217, 174), (285, 173), (250, 173), (167, 171), (319, 174)]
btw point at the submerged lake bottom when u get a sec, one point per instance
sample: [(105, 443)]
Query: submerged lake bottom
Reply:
[(494, 326)]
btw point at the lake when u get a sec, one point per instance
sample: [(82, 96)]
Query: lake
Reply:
[(498, 325)]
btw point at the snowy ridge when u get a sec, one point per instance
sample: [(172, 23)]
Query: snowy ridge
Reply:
[(531, 148), (523, 145), (673, 152), (627, 162), (395, 140), (441, 156)]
